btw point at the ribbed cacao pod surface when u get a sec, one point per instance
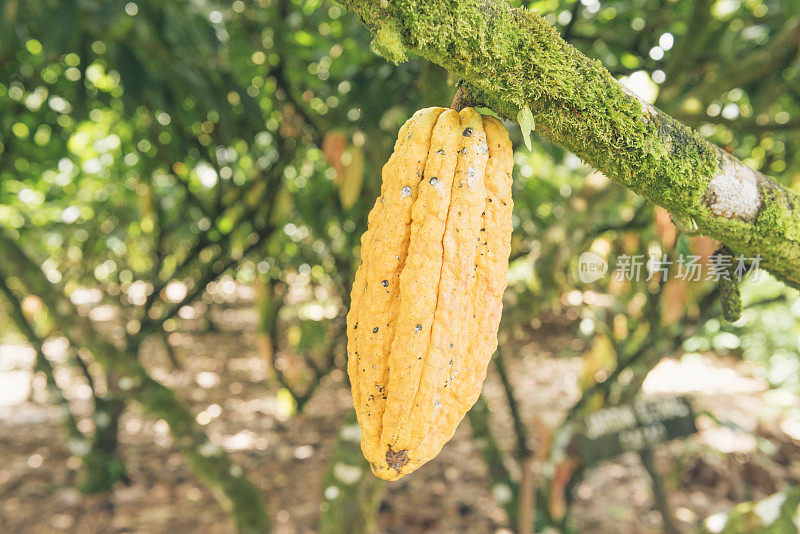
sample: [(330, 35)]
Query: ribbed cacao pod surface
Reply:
[(427, 297)]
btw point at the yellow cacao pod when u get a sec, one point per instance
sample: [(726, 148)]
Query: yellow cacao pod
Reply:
[(427, 297)]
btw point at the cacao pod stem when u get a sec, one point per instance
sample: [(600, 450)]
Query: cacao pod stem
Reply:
[(462, 98)]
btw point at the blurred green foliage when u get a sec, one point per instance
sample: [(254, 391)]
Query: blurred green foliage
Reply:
[(149, 142), (134, 132)]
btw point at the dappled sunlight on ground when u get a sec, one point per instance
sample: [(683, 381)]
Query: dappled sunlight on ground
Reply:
[(15, 387), (228, 388), (695, 374), (725, 387), (16, 364)]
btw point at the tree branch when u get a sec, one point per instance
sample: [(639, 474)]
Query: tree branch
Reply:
[(523, 450), (575, 13), (755, 65), (691, 44), (42, 363), (512, 58), (660, 494)]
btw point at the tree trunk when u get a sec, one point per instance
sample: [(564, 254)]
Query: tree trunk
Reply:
[(351, 493), (103, 468)]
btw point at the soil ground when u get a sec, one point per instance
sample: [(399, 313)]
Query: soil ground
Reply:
[(225, 382)]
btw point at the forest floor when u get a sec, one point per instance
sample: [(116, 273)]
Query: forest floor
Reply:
[(225, 382)]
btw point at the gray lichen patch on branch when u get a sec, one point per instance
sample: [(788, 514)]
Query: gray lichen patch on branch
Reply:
[(513, 58), (733, 191)]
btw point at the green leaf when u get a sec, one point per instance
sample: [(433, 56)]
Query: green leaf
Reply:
[(526, 125)]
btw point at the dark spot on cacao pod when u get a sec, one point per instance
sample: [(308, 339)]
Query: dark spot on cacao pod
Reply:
[(467, 132), (440, 151), (434, 180), (418, 328), (397, 459), (375, 330), (355, 326), (385, 283)]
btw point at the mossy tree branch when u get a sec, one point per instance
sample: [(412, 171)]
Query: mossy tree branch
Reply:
[(513, 58)]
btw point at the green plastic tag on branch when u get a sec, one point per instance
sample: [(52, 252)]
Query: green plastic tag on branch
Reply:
[(526, 125), (388, 43)]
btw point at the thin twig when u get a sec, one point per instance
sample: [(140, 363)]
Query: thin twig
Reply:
[(575, 13), (660, 494), (520, 428)]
